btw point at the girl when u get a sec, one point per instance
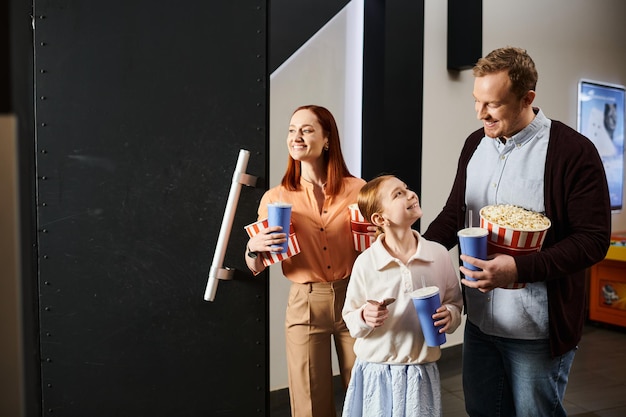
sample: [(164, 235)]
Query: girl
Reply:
[(395, 373)]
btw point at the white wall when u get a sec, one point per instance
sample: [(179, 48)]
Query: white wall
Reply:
[(568, 39), (325, 72)]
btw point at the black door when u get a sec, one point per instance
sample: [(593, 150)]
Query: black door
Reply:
[(141, 109)]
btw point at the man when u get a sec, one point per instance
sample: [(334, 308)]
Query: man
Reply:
[(519, 344)]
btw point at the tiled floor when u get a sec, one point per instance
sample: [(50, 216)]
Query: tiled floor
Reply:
[(597, 385)]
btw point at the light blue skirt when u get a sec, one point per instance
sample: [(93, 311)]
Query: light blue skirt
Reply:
[(380, 390)]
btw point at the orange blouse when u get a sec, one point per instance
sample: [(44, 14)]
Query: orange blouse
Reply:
[(325, 239)]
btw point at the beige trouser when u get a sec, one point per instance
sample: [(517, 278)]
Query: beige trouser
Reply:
[(313, 316)]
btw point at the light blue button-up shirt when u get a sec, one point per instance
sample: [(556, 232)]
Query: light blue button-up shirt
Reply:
[(510, 173)]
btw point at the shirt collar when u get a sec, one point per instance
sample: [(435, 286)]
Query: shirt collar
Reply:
[(382, 258), (528, 133)]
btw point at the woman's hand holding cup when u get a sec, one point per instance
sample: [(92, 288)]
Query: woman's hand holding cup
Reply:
[(266, 238)]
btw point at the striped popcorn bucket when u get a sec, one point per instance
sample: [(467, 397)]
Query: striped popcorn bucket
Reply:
[(362, 240), (512, 242), (270, 258)]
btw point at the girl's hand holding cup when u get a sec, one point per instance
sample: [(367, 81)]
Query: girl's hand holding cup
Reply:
[(442, 319)]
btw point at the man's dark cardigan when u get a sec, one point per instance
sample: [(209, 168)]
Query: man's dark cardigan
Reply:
[(577, 203)]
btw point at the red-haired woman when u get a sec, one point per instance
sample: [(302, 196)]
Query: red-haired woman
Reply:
[(319, 187)]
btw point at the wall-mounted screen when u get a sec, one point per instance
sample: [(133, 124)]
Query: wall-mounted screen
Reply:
[(601, 119)]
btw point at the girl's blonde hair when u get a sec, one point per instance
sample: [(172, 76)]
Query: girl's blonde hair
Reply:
[(369, 200)]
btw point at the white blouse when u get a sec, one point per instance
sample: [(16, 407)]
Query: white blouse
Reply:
[(377, 275)]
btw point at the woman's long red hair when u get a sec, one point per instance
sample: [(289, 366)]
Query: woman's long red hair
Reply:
[(336, 168)]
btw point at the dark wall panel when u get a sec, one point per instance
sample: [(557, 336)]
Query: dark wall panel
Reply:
[(465, 33), (393, 89), (293, 22), (141, 110), (21, 73), (5, 83)]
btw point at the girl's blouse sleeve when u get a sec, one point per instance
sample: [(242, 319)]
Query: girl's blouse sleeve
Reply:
[(355, 302), (453, 298)]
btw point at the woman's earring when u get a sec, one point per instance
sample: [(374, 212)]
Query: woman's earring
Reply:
[(326, 146)]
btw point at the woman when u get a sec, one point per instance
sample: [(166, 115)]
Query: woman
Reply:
[(319, 187)]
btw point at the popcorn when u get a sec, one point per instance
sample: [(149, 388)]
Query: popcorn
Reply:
[(514, 217), (513, 231)]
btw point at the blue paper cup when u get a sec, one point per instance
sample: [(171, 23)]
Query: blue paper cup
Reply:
[(279, 214), (426, 302), (473, 242)]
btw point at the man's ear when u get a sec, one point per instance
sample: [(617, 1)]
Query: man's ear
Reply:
[(529, 97), (378, 220)]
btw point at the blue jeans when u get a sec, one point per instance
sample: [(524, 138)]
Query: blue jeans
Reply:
[(512, 377)]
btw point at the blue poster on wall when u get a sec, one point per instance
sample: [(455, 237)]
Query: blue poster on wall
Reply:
[(601, 119)]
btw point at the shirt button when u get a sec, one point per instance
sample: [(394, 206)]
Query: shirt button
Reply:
[(328, 267), (321, 229), (324, 247)]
